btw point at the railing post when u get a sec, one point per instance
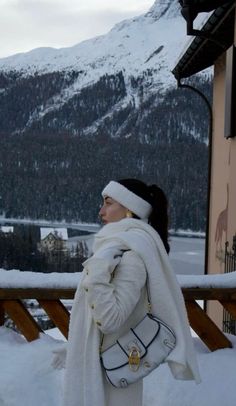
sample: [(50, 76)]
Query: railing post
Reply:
[(229, 317), (2, 314), (205, 328), (22, 319), (57, 312)]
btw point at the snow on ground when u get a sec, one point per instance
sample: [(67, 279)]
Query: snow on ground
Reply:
[(218, 386), (28, 379)]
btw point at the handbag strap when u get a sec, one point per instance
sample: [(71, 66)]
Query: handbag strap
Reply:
[(148, 293), (149, 304)]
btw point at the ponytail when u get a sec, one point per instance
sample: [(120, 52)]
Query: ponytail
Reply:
[(158, 218), (154, 195)]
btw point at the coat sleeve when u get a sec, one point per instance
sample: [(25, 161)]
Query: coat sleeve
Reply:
[(112, 298)]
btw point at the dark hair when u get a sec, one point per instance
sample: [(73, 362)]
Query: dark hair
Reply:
[(154, 195)]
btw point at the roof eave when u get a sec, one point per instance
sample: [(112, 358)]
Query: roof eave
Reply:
[(203, 51)]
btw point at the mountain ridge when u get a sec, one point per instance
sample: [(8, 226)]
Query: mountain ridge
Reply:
[(142, 48), (107, 107), (128, 45)]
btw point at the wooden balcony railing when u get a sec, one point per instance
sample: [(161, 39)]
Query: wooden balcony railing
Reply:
[(50, 299), (50, 291), (200, 322)]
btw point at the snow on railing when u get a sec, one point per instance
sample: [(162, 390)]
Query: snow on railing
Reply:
[(18, 279), (49, 290), (54, 280), (208, 281)]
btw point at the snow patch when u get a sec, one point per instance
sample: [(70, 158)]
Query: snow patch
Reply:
[(27, 377)]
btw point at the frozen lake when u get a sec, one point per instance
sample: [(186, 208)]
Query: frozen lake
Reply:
[(187, 255)]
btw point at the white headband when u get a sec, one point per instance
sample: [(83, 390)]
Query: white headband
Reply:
[(128, 199)]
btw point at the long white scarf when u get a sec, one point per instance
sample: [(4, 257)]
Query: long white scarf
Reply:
[(83, 378)]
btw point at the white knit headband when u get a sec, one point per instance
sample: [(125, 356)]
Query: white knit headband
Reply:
[(128, 199)]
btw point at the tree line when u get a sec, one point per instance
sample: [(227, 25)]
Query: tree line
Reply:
[(53, 171), (20, 250), (61, 178)]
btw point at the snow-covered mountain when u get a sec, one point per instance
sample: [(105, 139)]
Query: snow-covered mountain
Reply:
[(148, 42), (121, 70)]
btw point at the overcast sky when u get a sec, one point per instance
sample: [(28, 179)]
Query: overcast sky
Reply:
[(28, 24)]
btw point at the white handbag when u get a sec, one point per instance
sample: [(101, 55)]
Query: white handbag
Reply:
[(138, 352)]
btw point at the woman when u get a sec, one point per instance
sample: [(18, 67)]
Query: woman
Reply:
[(112, 298)]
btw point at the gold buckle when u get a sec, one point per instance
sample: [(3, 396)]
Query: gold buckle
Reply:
[(134, 359)]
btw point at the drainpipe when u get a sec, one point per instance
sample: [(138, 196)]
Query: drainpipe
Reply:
[(210, 128)]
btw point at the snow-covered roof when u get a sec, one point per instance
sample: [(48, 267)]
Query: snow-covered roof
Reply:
[(60, 232), (7, 229)]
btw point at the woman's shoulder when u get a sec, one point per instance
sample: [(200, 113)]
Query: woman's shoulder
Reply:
[(132, 264), (132, 257)]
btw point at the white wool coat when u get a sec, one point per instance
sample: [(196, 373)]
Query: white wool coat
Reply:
[(111, 304)]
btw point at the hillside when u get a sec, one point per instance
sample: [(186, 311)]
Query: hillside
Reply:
[(70, 119)]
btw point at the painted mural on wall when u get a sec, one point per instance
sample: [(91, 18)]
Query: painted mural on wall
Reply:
[(221, 231)]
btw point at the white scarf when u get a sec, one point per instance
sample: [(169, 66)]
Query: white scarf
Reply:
[(85, 375)]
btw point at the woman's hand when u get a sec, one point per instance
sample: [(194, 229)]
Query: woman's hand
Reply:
[(109, 255)]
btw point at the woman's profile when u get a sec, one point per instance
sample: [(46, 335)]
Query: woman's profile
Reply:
[(111, 297)]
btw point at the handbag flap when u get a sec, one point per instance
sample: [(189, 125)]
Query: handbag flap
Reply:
[(139, 337), (147, 329)]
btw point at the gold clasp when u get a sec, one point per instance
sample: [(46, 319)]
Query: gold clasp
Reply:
[(134, 359)]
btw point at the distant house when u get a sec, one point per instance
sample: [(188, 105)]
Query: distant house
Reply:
[(214, 45), (52, 239), (7, 229)]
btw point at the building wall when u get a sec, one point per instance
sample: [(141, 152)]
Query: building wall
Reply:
[(218, 229), (219, 189), (222, 216), (232, 180)]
